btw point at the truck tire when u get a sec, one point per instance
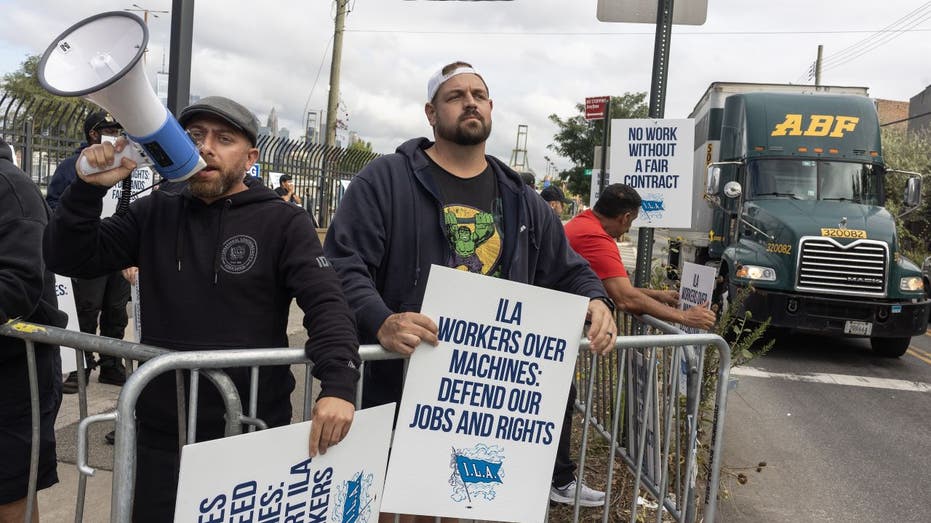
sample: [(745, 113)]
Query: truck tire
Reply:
[(890, 347), (720, 297)]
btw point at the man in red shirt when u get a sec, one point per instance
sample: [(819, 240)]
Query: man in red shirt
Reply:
[(592, 234)]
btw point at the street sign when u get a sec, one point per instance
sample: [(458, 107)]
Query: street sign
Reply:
[(255, 170), (684, 12), (588, 172), (595, 107)]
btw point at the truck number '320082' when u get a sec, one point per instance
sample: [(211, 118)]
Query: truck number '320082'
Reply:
[(779, 248), (857, 234)]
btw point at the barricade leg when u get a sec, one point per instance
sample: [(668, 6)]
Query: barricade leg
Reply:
[(34, 407)]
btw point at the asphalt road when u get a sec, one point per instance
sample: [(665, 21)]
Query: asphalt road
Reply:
[(845, 435)]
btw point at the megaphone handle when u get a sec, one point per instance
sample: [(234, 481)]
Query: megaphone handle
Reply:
[(132, 151)]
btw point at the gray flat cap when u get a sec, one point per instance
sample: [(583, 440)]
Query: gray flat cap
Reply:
[(234, 113)]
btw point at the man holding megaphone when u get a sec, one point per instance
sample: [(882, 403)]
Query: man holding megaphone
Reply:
[(100, 302), (220, 264)]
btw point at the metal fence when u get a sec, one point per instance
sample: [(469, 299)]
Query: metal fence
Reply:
[(44, 132), (319, 173), (644, 401), (664, 469)]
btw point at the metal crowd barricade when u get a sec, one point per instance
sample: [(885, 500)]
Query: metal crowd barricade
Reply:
[(670, 479), (664, 465)]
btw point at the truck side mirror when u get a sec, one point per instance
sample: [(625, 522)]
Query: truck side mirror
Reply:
[(732, 190), (912, 192), (713, 179)]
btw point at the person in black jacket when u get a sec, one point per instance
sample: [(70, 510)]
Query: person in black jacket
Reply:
[(446, 203), (219, 265), (27, 291), (98, 301)]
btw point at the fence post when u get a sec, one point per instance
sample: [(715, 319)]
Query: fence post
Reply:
[(28, 126), (324, 190)]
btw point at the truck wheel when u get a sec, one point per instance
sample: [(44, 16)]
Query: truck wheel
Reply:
[(890, 347)]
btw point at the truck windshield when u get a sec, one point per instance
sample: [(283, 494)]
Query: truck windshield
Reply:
[(815, 180)]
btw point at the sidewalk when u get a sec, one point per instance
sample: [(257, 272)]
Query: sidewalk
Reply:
[(57, 504)]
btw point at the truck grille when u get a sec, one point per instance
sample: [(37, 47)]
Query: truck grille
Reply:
[(857, 268)]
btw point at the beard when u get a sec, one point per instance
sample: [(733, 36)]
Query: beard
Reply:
[(465, 132), (215, 188)]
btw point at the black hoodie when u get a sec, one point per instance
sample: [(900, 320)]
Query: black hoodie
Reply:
[(217, 276), (27, 291)]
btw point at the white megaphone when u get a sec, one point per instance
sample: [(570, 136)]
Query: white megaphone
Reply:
[(98, 59)]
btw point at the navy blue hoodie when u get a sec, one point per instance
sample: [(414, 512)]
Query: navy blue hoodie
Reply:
[(217, 276), (389, 229)]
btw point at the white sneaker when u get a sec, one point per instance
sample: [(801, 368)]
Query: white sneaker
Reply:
[(588, 497)]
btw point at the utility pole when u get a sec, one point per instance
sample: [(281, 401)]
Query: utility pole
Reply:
[(818, 66), (333, 99), (145, 18), (145, 12)]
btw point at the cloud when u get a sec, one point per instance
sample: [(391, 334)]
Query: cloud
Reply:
[(539, 56)]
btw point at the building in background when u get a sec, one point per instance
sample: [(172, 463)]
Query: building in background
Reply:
[(919, 111), (892, 111)]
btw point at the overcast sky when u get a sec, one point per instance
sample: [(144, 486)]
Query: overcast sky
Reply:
[(538, 56)]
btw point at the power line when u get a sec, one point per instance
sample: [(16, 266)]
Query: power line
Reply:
[(884, 39), (876, 39), (589, 33), (905, 119), (886, 31), (319, 69)]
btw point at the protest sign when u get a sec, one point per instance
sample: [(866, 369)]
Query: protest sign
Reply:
[(655, 157), (142, 179), (65, 294), (268, 476), (697, 284), (481, 412), (137, 309)]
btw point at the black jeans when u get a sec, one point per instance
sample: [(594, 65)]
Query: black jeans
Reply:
[(102, 298), (564, 468), (157, 469)]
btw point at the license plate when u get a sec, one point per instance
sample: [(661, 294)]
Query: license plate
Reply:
[(860, 328)]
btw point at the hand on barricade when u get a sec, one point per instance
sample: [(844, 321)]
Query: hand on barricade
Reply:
[(404, 331), (669, 297), (601, 332), (699, 317), (332, 418)]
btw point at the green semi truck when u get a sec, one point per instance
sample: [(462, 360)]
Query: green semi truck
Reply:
[(793, 206)]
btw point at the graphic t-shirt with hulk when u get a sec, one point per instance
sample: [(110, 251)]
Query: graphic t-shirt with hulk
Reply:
[(472, 220)]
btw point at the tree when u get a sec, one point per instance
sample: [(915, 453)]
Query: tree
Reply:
[(360, 145), (577, 138), (43, 107), (357, 155), (908, 152)]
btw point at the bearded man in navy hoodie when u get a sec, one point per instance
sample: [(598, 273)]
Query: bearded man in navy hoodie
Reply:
[(417, 207), (219, 264)]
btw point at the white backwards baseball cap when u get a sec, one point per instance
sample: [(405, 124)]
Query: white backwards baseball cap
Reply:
[(438, 79)]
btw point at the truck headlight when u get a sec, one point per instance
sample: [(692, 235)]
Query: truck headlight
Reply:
[(911, 284), (755, 272)]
